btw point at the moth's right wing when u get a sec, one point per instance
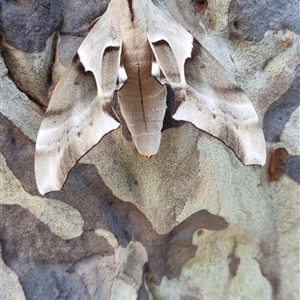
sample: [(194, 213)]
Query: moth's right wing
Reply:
[(79, 113)]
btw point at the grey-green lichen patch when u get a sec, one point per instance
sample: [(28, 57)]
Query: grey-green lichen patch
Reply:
[(62, 219), (249, 20), (281, 110), (290, 137), (283, 263), (292, 168), (111, 239), (207, 274), (10, 287), (30, 72), (290, 140), (16, 106), (129, 275), (229, 193)]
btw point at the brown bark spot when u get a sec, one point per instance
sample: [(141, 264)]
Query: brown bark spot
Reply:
[(200, 5), (277, 164)]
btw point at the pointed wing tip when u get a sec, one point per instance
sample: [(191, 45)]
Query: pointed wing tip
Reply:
[(44, 180), (255, 162), (259, 159), (255, 150), (45, 188)]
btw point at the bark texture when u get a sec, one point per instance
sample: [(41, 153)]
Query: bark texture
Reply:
[(192, 222)]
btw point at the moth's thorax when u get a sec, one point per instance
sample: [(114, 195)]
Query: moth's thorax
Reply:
[(136, 50)]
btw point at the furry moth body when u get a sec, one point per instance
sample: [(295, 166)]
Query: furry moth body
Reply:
[(137, 49)]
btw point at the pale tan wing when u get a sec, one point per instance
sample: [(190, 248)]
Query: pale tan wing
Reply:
[(171, 44), (79, 112), (206, 95), (215, 104)]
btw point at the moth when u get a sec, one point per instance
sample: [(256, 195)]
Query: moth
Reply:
[(138, 50)]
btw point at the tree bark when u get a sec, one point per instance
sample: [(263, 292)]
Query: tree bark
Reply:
[(192, 222)]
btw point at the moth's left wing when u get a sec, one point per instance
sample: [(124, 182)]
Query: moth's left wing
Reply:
[(205, 94), (215, 104), (79, 113)]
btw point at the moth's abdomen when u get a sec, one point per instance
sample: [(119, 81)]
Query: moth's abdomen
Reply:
[(143, 106)]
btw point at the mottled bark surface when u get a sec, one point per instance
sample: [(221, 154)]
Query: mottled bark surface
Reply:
[(192, 222)]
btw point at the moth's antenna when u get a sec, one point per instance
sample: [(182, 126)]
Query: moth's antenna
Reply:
[(131, 10), (78, 33), (82, 32)]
